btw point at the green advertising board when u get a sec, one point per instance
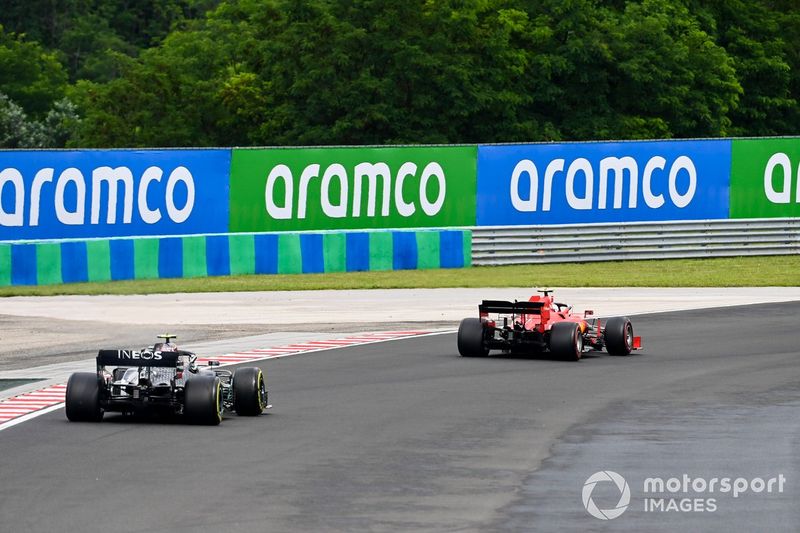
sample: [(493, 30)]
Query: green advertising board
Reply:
[(765, 178), (297, 189)]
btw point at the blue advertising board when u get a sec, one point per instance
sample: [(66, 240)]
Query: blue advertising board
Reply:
[(112, 193), (603, 182)]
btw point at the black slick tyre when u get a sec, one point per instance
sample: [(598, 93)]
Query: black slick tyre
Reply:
[(203, 400), (566, 341), (249, 391), (83, 398), (618, 335), (471, 342)]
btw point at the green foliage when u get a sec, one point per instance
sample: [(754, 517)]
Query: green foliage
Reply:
[(14, 125), (758, 37), (379, 71), (314, 72), (29, 75), (18, 131), (85, 32), (673, 80)]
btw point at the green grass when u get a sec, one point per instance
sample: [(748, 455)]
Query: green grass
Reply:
[(724, 272)]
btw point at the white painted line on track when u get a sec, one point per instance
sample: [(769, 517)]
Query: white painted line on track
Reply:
[(27, 406)]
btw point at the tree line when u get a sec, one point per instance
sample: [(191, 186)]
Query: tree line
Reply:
[(152, 73)]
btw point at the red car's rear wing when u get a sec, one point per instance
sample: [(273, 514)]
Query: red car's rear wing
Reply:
[(510, 308)]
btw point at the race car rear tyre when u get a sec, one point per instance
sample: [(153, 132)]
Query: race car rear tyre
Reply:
[(83, 398), (618, 335), (203, 400), (249, 391), (471, 338), (566, 341)]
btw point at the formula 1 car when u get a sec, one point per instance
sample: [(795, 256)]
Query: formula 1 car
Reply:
[(541, 325), (163, 379)]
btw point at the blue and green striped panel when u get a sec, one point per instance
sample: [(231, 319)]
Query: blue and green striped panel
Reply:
[(5, 265), (290, 254), (122, 259), (194, 257), (218, 256), (242, 254), (73, 262), (48, 263), (98, 260), (145, 258), (23, 264), (334, 252), (381, 251), (51, 263)]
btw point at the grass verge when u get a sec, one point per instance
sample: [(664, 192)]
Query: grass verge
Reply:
[(776, 271)]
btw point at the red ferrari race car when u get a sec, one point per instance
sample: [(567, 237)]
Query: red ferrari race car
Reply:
[(541, 324)]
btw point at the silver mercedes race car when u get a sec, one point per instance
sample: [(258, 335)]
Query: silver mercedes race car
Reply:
[(164, 379)]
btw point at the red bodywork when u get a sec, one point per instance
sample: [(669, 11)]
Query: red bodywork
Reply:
[(552, 312)]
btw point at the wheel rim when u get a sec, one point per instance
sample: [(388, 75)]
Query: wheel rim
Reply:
[(578, 344), (219, 403), (262, 392), (629, 336)]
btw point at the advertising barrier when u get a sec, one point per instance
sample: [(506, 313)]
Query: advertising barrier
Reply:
[(603, 182), (47, 263), (352, 188), (107, 193), (765, 178), (99, 215)]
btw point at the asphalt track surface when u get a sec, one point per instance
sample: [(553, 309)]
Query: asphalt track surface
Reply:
[(407, 435)]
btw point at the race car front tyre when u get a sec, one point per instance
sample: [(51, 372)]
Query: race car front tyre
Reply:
[(249, 391), (471, 342), (566, 341), (203, 400), (618, 335), (83, 398)]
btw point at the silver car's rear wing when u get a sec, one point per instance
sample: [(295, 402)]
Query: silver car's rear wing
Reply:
[(139, 358)]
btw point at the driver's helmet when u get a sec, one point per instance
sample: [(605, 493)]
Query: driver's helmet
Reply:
[(165, 347)]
